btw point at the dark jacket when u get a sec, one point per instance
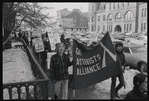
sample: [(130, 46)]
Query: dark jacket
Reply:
[(135, 94), (121, 58), (120, 55), (59, 67)]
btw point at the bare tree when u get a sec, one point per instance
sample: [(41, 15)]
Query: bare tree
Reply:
[(17, 13)]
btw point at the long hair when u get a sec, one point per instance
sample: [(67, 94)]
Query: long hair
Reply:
[(57, 46)]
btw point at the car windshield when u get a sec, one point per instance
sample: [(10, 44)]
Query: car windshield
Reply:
[(138, 49)]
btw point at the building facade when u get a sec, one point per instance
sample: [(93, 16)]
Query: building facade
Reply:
[(73, 21), (118, 17)]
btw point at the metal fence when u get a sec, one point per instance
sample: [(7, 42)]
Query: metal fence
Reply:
[(37, 89)]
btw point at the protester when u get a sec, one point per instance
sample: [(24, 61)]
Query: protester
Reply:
[(20, 34), (63, 39), (121, 59), (25, 39), (139, 90), (59, 71), (43, 54), (69, 51)]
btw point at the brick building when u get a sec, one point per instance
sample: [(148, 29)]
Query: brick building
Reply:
[(72, 20)]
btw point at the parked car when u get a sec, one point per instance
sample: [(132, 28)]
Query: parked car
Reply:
[(135, 41), (136, 56), (134, 35), (118, 36), (114, 41)]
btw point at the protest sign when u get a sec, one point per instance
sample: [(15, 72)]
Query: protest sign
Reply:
[(94, 65), (38, 45), (54, 39)]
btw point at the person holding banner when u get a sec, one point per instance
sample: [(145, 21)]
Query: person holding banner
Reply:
[(70, 68), (59, 71), (121, 58)]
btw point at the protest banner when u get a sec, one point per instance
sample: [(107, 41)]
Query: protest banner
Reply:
[(49, 55), (94, 65), (54, 39), (38, 45)]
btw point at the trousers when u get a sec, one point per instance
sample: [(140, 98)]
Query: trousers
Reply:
[(64, 85), (114, 88)]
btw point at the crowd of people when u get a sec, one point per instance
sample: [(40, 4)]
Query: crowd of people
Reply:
[(63, 59)]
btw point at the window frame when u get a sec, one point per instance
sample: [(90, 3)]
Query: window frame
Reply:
[(126, 50)]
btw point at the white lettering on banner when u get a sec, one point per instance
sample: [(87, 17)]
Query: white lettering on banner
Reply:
[(88, 70), (88, 61), (93, 60)]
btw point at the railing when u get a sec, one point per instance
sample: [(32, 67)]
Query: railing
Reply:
[(37, 89)]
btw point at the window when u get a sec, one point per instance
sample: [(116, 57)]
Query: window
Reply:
[(118, 17), (127, 27), (144, 26), (128, 3), (110, 6), (92, 19), (109, 17), (145, 13), (126, 50), (130, 27), (128, 15), (124, 27), (141, 26), (142, 12), (98, 18), (92, 28), (104, 16), (113, 5)]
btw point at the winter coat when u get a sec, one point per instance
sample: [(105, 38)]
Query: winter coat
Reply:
[(59, 67), (135, 94)]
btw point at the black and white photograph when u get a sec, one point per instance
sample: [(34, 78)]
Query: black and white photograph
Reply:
[(74, 50)]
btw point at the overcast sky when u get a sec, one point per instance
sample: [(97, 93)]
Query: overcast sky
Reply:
[(69, 5)]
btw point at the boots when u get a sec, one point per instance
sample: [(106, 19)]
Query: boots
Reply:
[(55, 97)]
